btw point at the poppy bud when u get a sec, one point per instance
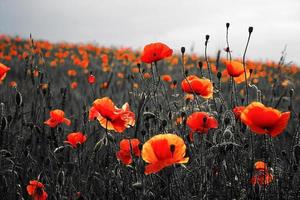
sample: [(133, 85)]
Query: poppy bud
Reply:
[(174, 82), (204, 119), (91, 79), (250, 70), (227, 121), (182, 50), (3, 123), (250, 29), (200, 64), (291, 92), (164, 123), (172, 148), (183, 114), (19, 99), (186, 72), (227, 25), (170, 115), (140, 146), (207, 37), (283, 153), (219, 75), (143, 132)]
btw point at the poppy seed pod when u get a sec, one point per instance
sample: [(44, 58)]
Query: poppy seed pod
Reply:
[(207, 37), (219, 75), (182, 50), (227, 25), (200, 64), (250, 29)]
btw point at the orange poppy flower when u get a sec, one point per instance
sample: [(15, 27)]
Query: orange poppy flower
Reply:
[(238, 111), (3, 70), (13, 84), (72, 72), (166, 78), (76, 138), (260, 166), (162, 151), (202, 87), (155, 51), (74, 85), (264, 120), (200, 122), (234, 68), (57, 117), (111, 117), (36, 190), (128, 147)]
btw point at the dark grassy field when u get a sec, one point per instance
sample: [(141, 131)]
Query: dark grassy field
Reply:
[(217, 163)]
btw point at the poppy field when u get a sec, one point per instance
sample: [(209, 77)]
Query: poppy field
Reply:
[(81, 121)]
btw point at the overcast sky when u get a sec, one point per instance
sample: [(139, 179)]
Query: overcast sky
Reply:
[(175, 22)]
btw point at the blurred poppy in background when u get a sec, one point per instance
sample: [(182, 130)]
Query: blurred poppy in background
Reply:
[(3, 70)]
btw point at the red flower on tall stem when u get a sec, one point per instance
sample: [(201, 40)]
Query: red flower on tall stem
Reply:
[(155, 51), (57, 117), (111, 117), (75, 139)]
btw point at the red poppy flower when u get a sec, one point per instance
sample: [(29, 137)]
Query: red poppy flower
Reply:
[(200, 122), (128, 147), (155, 52), (76, 138), (3, 70), (57, 117), (91, 79), (202, 87), (264, 120), (111, 117), (36, 190), (260, 166), (162, 151), (238, 111)]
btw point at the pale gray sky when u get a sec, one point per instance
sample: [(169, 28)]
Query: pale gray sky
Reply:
[(175, 22)]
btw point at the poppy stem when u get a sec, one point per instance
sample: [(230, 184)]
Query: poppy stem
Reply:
[(206, 58), (244, 64), (228, 48)]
